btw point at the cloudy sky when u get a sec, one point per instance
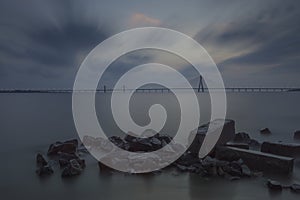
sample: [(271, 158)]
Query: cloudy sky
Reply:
[(254, 43)]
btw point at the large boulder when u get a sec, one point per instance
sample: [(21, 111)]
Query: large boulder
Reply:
[(283, 149), (227, 134)]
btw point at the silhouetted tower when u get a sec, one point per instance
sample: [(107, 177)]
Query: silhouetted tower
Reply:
[(200, 86)]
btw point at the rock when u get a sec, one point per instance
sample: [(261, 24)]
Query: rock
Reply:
[(63, 162), (44, 170), (265, 131), (238, 145), (274, 185), (187, 159), (73, 169), (227, 134), (40, 160), (72, 141), (254, 143), (295, 188), (88, 140), (283, 149), (242, 138), (68, 156), (246, 171), (65, 147), (257, 160), (297, 135)]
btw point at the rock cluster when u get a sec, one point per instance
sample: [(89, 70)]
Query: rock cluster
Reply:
[(235, 155), (64, 154)]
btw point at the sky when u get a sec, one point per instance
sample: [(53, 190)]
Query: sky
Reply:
[(254, 43)]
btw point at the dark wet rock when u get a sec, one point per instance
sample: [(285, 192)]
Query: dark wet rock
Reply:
[(256, 160), (196, 137), (295, 188), (73, 169), (254, 143), (187, 159), (165, 139), (72, 141), (297, 135), (242, 138), (63, 162), (274, 185), (63, 147), (246, 170), (233, 169), (40, 160), (68, 156), (283, 149), (104, 168), (44, 170), (265, 131), (238, 145)]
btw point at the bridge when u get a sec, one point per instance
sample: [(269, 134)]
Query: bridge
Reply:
[(160, 90)]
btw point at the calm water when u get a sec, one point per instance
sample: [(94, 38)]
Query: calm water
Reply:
[(30, 122)]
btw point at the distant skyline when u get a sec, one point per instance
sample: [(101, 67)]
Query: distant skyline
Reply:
[(254, 43)]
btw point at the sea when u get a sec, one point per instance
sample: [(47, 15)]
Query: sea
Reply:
[(30, 122)]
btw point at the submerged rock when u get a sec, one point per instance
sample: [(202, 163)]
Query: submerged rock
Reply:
[(295, 188), (265, 131), (44, 170), (40, 160), (274, 185)]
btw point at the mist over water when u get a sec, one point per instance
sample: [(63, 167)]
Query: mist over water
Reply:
[(30, 122)]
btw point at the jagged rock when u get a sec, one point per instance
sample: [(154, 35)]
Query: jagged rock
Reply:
[(265, 131), (73, 169), (283, 149), (295, 188), (40, 160), (44, 170), (65, 162), (297, 135), (196, 137), (63, 147), (274, 185)]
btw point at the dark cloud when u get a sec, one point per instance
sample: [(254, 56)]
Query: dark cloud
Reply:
[(42, 42)]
